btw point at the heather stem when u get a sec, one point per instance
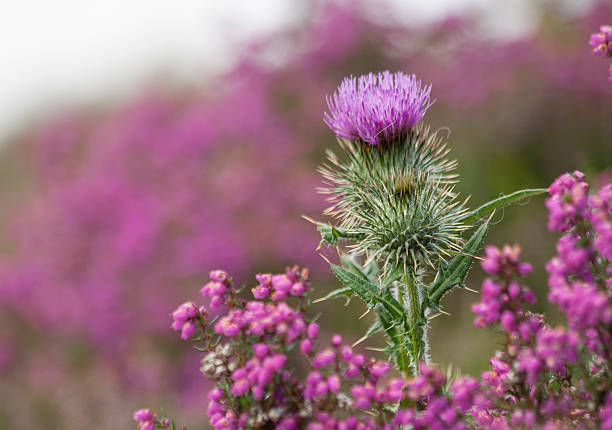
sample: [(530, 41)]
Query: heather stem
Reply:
[(410, 297)]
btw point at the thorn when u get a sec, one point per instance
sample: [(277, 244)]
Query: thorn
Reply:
[(325, 258), (307, 218), (470, 290), (361, 339), (434, 316), (443, 312), (364, 314), (375, 349), (319, 300), (491, 216)]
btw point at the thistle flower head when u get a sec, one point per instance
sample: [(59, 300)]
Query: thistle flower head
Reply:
[(377, 108), (411, 227), (397, 199)]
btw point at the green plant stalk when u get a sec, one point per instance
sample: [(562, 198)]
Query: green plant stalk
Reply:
[(416, 333)]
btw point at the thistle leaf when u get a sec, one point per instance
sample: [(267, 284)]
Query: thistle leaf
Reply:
[(368, 292), (455, 271), (500, 202)]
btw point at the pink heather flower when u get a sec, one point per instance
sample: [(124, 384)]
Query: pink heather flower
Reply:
[(347, 354), (214, 288), (219, 275), (313, 330), (352, 371), (605, 413), (379, 369), (395, 389), (287, 423), (281, 283), (264, 279), (275, 363), (187, 330), (145, 419), (363, 395), (601, 41), (306, 346), (297, 289), (142, 415), (568, 200), (377, 108), (260, 350), (324, 358), (597, 39), (185, 318), (463, 390), (556, 347), (336, 340), (240, 387), (260, 292), (530, 364), (333, 382)]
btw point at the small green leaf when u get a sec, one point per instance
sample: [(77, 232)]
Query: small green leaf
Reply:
[(455, 271), (500, 202), (331, 234)]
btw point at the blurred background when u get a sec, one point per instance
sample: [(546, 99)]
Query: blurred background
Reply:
[(143, 144)]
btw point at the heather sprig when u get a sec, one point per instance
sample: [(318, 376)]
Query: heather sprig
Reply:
[(601, 43), (392, 192), (270, 369), (546, 376)]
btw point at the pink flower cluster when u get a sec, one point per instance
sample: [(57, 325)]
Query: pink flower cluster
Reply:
[(579, 275), (147, 420), (186, 319), (552, 377), (501, 295), (517, 391), (602, 43), (247, 353)]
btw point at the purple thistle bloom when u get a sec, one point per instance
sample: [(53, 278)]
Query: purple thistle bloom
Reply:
[(377, 108)]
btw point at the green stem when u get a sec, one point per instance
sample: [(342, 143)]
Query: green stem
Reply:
[(410, 297)]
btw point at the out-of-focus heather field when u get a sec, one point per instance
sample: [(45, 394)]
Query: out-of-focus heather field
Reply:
[(110, 218)]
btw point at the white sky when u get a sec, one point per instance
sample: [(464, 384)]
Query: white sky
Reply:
[(69, 52)]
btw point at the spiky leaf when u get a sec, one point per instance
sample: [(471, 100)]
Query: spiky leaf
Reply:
[(455, 271), (368, 291)]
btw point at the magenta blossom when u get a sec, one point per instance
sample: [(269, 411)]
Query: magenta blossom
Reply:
[(377, 108)]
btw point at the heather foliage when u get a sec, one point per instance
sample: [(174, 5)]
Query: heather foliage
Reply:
[(549, 377), (602, 44)]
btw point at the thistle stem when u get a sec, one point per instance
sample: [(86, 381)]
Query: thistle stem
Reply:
[(410, 297)]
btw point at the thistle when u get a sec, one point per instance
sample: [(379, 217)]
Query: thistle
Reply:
[(397, 200), (392, 192)]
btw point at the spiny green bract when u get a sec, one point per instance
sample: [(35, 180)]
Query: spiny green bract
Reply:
[(398, 199)]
